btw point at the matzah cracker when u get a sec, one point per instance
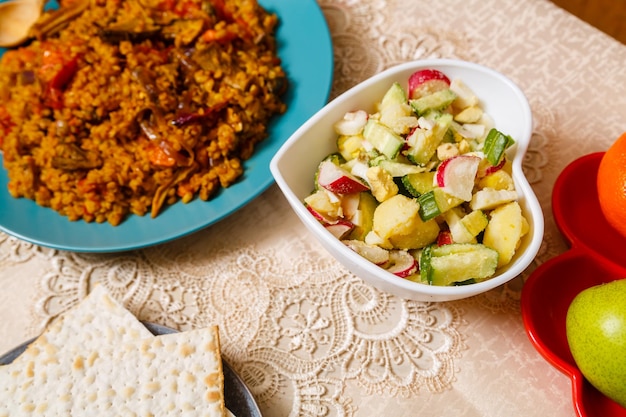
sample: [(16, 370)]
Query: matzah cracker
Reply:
[(98, 319), (178, 374)]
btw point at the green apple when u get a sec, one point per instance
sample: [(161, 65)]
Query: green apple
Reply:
[(596, 332)]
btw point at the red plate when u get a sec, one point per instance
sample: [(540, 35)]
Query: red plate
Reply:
[(596, 256)]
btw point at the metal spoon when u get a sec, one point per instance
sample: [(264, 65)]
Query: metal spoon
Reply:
[(16, 19)]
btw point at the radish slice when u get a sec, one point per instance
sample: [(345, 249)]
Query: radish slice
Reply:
[(320, 217), (340, 229), (444, 238), (427, 81), (352, 123), (350, 204), (372, 253), (456, 175), (490, 169), (337, 180), (402, 262), (315, 214)]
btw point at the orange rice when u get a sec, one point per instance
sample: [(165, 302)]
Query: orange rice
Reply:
[(124, 106)]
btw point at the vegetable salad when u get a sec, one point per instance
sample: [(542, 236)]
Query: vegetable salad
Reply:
[(422, 187)]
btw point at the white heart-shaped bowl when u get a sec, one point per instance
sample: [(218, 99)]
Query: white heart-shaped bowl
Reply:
[(295, 163)]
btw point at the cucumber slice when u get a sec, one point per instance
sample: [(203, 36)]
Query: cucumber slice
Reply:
[(383, 139), (401, 188), (496, 144), (419, 183), (399, 169), (395, 95), (426, 270), (428, 206), (436, 202), (336, 158), (395, 111), (455, 249), (436, 101), (460, 262)]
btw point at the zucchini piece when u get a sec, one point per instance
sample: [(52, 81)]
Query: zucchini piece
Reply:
[(336, 158), (426, 270), (496, 144), (453, 248), (401, 187), (395, 111), (428, 206), (374, 158), (399, 169), (383, 139), (435, 101), (395, 95), (436, 202), (419, 183), (459, 262)]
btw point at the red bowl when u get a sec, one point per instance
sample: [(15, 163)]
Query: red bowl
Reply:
[(595, 257)]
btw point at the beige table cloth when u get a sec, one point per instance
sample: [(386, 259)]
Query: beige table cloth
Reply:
[(309, 338)]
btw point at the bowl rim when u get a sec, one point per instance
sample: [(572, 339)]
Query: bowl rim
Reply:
[(410, 287)]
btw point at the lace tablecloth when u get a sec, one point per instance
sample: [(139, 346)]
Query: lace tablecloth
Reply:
[(309, 338)]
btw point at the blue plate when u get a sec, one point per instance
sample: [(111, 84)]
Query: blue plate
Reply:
[(305, 48)]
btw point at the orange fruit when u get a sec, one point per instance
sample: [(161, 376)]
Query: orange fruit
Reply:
[(612, 185)]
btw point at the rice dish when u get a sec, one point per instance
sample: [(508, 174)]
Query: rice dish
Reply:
[(125, 106)]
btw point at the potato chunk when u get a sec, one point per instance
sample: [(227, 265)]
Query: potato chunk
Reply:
[(505, 230), (397, 220)]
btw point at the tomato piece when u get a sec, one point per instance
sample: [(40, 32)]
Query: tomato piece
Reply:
[(444, 238), (52, 59), (159, 157), (222, 35), (56, 70), (56, 86), (65, 74)]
